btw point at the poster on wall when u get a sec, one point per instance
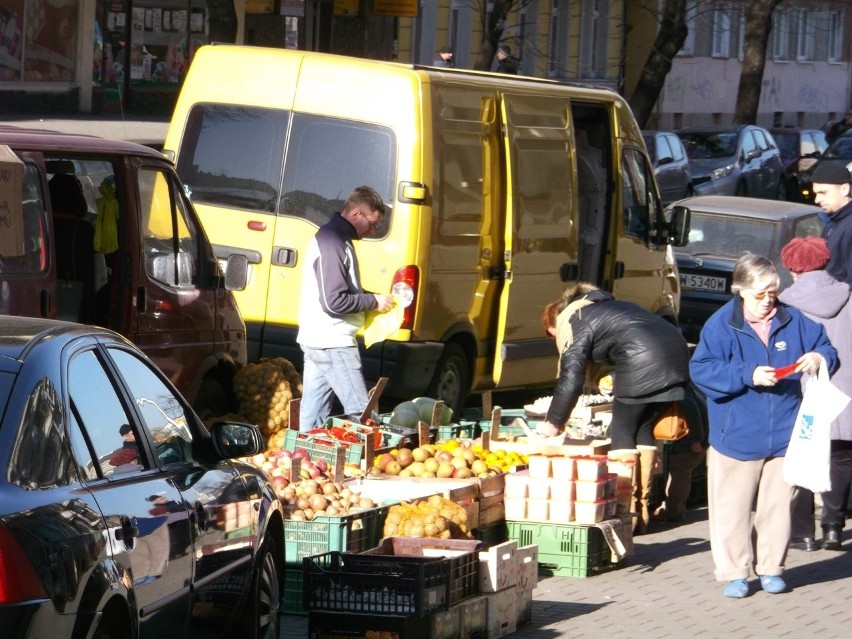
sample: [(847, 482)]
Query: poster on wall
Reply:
[(50, 39), (396, 8)]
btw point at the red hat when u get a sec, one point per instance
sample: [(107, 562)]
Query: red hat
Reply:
[(803, 254)]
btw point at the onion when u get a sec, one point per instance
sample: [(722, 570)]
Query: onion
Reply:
[(302, 503), (318, 502), (329, 489)]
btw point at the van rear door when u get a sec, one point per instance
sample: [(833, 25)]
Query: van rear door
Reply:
[(540, 232)]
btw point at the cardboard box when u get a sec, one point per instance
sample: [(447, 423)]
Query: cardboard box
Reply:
[(11, 204), (524, 607), (445, 624), (527, 567), (491, 510), (502, 612), (498, 567), (474, 617)]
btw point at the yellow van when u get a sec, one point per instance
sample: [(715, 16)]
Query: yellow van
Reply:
[(502, 191)]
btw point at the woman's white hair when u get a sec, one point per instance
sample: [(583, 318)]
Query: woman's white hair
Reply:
[(751, 269)]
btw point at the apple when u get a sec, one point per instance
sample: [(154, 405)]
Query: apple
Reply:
[(393, 468), (258, 460)]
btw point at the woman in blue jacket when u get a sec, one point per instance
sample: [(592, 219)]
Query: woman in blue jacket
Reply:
[(752, 414)]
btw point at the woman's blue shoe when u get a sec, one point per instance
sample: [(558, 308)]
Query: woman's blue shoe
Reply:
[(772, 584), (737, 589)]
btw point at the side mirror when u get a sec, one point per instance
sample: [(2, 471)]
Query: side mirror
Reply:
[(679, 226), (234, 439), (667, 159), (236, 272)]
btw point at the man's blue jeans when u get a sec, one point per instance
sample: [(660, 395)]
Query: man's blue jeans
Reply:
[(329, 372)]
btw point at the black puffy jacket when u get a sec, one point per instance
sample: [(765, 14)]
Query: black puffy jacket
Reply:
[(649, 354)]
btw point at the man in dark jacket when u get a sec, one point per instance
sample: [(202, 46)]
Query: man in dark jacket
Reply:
[(506, 62), (651, 360), (832, 186)]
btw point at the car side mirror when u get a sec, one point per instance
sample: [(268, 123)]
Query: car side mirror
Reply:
[(665, 160), (754, 153), (678, 226), (236, 272), (234, 439)]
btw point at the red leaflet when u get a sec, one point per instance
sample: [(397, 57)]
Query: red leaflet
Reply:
[(784, 371)]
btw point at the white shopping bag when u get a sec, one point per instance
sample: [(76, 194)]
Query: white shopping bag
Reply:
[(808, 460)]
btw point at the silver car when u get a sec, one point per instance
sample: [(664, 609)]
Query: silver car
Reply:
[(734, 160), (671, 165)]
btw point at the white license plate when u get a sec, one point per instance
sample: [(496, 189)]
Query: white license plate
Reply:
[(702, 283)]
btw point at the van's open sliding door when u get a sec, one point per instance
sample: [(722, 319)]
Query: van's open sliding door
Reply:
[(541, 231)]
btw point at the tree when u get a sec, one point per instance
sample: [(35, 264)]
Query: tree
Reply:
[(758, 24), (670, 38), (493, 23)]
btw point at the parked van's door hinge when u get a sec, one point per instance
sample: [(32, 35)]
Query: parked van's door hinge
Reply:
[(497, 273)]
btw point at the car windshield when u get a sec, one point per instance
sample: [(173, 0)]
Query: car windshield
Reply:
[(788, 144), (713, 234), (840, 149), (709, 144)]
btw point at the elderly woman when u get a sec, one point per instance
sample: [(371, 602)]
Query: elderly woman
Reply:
[(752, 414), (651, 360)]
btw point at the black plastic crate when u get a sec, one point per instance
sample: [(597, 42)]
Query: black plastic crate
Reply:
[(376, 584), (337, 625)]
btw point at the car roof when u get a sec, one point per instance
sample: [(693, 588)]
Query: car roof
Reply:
[(715, 128), (754, 207), (18, 333), (792, 129), (20, 138)]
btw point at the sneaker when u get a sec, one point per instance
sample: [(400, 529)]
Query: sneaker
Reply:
[(737, 589), (772, 584)]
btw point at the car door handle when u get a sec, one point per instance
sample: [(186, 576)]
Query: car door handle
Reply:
[(284, 256)]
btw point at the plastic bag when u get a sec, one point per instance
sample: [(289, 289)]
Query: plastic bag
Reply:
[(808, 460), (380, 326)]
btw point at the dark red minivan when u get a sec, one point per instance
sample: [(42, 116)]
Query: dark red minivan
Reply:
[(110, 238)]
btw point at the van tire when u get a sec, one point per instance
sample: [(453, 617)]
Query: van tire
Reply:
[(213, 399), (452, 378)]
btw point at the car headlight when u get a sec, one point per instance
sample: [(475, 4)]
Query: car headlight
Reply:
[(722, 171)]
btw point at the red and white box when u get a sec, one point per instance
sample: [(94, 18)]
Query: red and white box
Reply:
[(539, 465), (516, 485), (589, 512), (515, 508), (563, 467), (498, 567), (561, 511), (538, 509), (539, 487), (502, 612), (527, 567), (591, 467), (589, 491)]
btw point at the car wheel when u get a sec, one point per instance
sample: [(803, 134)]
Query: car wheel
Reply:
[(109, 628), (263, 611), (742, 189), (452, 378)]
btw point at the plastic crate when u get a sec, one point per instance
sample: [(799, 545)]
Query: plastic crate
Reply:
[(564, 550), (355, 532), (293, 590), (389, 435), (510, 419), (462, 556), (376, 584), (337, 625), (319, 447), (465, 429)]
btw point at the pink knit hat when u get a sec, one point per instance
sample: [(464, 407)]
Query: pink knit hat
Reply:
[(803, 254)]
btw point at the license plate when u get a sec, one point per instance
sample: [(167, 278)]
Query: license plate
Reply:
[(702, 283)]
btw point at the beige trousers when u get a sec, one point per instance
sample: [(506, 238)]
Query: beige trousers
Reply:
[(747, 499)]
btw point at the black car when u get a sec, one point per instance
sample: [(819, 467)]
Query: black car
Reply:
[(800, 149), (121, 515), (671, 166), (721, 229), (840, 149)]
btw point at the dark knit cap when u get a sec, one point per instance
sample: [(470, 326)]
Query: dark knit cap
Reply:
[(446, 49), (833, 172), (804, 254)]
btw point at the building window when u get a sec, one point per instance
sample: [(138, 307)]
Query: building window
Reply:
[(688, 47), (721, 30), (780, 35), (835, 36), (806, 39), (556, 44), (741, 35), (594, 39)]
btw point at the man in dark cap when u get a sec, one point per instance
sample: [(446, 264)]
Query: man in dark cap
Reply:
[(506, 62), (832, 184), (445, 57)]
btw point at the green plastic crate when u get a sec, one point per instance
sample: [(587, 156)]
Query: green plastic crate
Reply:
[(319, 447), (465, 429), (492, 535), (355, 532), (293, 590), (508, 425), (564, 550)]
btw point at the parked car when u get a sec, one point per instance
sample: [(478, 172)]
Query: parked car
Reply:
[(840, 149), (671, 166), (721, 229), (734, 160), (120, 514), (106, 235), (800, 149)]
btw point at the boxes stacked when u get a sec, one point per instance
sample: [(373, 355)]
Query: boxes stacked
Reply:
[(527, 560), (498, 576)]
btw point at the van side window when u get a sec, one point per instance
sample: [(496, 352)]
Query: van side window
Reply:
[(34, 256), (231, 156), (639, 209), (169, 238), (327, 158)]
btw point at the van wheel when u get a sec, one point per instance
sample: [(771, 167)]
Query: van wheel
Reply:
[(213, 399), (452, 378)]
